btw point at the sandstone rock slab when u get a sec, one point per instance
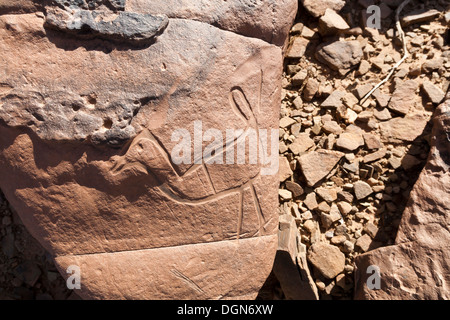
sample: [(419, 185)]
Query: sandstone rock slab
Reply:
[(316, 165), (403, 97), (328, 259), (86, 151), (317, 8)]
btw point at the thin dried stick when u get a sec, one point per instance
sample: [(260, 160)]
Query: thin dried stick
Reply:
[(401, 34)]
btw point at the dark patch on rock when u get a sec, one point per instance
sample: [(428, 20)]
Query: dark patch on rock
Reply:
[(122, 26), (115, 5)]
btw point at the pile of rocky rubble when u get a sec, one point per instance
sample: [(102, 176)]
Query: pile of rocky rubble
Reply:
[(26, 269), (348, 164)]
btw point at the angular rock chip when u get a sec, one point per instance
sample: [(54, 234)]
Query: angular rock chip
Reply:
[(404, 97), (350, 140), (301, 144), (317, 8), (328, 259), (331, 23), (334, 100), (298, 48), (316, 165), (285, 170), (433, 92), (340, 55), (403, 129), (362, 189)]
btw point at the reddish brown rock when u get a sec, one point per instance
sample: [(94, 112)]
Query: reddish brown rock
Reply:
[(328, 259), (416, 267), (86, 149), (340, 55), (403, 129), (317, 8), (316, 165), (404, 97), (291, 266)]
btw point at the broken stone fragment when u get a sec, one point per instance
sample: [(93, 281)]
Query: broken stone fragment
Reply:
[(364, 243), (340, 55), (332, 23), (350, 141), (311, 88), (285, 194), (375, 156), (433, 92), (311, 201), (327, 194), (328, 259), (372, 142), (285, 170), (362, 189), (316, 165), (301, 144), (404, 97), (295, 188), (403, 129), (328, 218), (381, 98), (334, 100), (298, 48)]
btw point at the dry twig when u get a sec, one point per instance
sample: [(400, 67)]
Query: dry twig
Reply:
[(401, 35)]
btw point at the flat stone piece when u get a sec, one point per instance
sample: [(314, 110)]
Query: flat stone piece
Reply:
[(404, 97), (316, 165), (407, 128), (328, 259), (317, 8), (419, 17), (340, 55)]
